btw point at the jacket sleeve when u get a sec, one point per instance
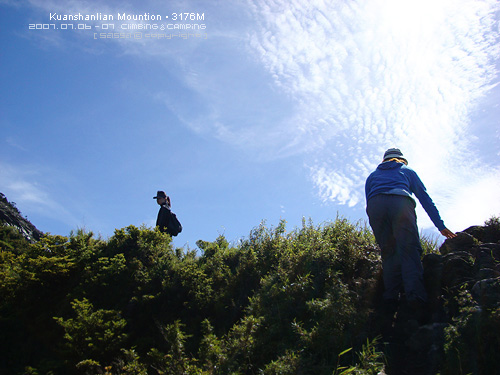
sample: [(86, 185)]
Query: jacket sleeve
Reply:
[(367, 187), (425, 200)]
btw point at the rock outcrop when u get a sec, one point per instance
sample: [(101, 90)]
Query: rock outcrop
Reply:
[(10, 215), (461, 329)]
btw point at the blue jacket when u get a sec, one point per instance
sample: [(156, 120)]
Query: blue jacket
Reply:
[(396, 178)]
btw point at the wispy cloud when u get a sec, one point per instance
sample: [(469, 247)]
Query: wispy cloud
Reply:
[(371, 75), (25, 185), (217, 91), (339, 82)]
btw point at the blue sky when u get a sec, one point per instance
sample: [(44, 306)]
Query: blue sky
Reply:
[(276, 110)]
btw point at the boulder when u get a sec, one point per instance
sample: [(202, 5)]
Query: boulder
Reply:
[(489, 233), (463, 242), (487, 292), (463, 286), (458, 268)]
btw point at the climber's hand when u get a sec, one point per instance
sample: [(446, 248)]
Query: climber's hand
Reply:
[(448, 233)]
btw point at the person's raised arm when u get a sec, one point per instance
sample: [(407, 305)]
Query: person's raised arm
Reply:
[(448, 233)]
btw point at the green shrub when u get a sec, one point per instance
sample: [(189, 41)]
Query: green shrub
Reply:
[(278, 302)]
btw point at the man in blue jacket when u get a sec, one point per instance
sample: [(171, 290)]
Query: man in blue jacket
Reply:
[(391, 212)]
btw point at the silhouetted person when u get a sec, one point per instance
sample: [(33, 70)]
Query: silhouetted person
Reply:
[(391, 212), (166, 220)]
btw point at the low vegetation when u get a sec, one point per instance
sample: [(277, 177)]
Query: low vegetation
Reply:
[(278, 302)]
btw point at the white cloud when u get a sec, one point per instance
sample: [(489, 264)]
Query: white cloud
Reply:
[(349, 80), (467, 202), (476, 202), (371, 75), (335, 186), (25, 185), (11, 141)]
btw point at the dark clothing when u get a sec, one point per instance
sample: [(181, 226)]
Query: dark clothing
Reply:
[(394, 224), (391, 212), (397, 179), (163, 218)]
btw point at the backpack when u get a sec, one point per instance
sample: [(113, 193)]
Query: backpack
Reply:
[(173, 225)]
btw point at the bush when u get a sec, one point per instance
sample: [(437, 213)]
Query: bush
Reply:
[(277, 303)]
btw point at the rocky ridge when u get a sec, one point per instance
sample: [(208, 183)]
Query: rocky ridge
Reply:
[(10, 215), (463, 313)]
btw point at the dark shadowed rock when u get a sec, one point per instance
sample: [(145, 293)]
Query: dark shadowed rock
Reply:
[(463, 287), (487, 292), (458, 268), (426, 336), (486, 234), (10, 215), (487, 256), (433, 274), (463, 242)]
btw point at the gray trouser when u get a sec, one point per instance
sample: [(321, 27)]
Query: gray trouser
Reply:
[(394, 224)]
